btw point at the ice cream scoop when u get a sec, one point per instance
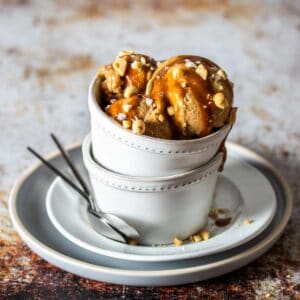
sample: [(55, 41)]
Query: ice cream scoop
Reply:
[(195, 92)]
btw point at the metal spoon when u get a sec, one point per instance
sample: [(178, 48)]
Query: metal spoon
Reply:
[(105, 224)]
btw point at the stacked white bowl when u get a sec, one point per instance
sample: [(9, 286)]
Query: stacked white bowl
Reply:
[(164, 188)]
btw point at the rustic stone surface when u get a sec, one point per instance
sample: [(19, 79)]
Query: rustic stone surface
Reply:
[(49, 52)]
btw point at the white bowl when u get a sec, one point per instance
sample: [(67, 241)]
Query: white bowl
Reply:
[(121, 151), (160, 208)]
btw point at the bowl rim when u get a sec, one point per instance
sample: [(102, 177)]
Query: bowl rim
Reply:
[(101, 115), (96, 168)]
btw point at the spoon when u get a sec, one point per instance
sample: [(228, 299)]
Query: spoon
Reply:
[(118, 225), (106, 224)]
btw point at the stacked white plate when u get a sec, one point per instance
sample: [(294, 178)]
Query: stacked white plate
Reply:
[(51, 219)]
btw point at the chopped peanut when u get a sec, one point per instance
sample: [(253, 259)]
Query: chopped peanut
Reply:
[(138, 126), (120, 66), (135, 65), (126, 124), (248, 221), (184, 84), (125, 52), (170, 110), (202, 72), (161, 118), (222, 74), (177, 241), (129, 91), (197, 238), (127, 107), (220, 100), (143, 60), (205, 234)]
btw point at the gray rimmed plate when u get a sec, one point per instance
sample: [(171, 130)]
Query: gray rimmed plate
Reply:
[(234, 193), (29, 216)]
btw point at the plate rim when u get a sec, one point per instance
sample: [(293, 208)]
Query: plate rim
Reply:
[(56, 256), (138, 257)]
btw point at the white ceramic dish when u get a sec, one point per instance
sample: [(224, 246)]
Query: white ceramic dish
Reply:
[(234, 192), (30, 219), (159, 208), (123, 152)]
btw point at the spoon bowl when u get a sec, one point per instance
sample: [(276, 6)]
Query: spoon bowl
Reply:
[(109, 225), (101, 226)]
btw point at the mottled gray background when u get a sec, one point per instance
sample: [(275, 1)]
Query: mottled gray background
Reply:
[(49, 51)]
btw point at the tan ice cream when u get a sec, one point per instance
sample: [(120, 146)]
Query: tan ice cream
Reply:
[(195, 92), (184, 97)]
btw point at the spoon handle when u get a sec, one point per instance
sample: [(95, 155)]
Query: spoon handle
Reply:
[(72, 166), (60, 174)]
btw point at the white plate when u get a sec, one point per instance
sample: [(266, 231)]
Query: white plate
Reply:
[(28, 213), (241, 188)]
